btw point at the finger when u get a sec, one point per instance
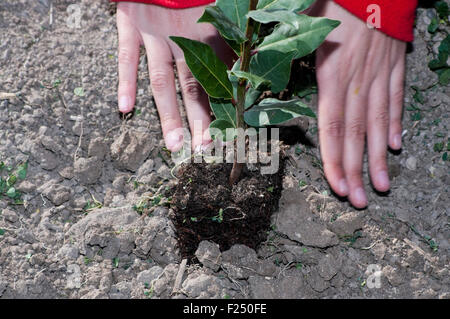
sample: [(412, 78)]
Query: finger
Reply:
[(196, 103), (162, 82), (396, 92), (377, 131), (331, 128), (354, 140), (129, 43)]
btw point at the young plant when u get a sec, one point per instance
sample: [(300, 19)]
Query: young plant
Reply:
[(9, 179), (264, 62)]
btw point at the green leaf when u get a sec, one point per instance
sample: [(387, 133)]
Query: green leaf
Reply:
[(2, 232), (251, 97), (206, 67), (79, 91), (272, 112), (418, 96), (225, 26), (221, 125), (445, 45), (223, 110), (438, 147), (291, 5), (11, 180), (442, 9), (274, 66), (305, 38), (236, 11), (444, 76), (22, 170), (440, 62), (11, 193), (265, 16), (257, 82), (433, 26)]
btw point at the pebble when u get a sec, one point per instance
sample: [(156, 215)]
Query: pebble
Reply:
[(411, 163)]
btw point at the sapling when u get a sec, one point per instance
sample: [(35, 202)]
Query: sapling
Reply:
[(264, 62)]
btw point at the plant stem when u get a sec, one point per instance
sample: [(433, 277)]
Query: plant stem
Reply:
[(241, 90)]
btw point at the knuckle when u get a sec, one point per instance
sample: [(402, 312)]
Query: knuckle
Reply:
[(167, 119), (379, 162), (356, 128), (353, 173), (382, 119), (397, 97), (159, 80), (191, 88), (126, 56), (126, 85), (335, 128)]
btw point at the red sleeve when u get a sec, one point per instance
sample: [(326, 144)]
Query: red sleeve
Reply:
[(176, 4), (397, 16)]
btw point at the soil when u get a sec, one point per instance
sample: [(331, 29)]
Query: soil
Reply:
[(203, 190), (80, 232)]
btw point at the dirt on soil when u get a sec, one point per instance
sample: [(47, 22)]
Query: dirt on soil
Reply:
[(207, 207), (79, 231)]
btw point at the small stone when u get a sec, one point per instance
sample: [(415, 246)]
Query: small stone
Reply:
[(88, 170), (46, 159), (50, 144), (411, 163), (316, 282), (95, 294), (299, 227), (66, 172), (10, 215), (97, 148), (347, 224), (393, 276), (200, 285), (146, 277), (57, 194), (241, 261), (26, 187), (379, 250), (328, 267), (208, 253), (69, 251), (131, 149)]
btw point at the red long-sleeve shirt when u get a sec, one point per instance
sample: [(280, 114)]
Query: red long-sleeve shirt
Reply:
[(397, 16)]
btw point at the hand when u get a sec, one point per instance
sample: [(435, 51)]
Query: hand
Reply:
[(150, 25), (360, 73)]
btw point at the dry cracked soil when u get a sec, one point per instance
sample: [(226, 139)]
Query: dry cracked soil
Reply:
[(76, 234)]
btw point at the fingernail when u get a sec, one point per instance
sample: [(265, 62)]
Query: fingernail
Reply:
[(398, 141), (124, 104), (383, 180), (174, 141), (343, 187), (360, 196)]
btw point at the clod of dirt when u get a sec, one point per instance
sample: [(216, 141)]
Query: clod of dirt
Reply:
[(88, 170), (206, 207), (131, 149), (208, 253), (298, 226)]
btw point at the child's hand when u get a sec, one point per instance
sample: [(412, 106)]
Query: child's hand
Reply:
[(151, 25), (360, 74)]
